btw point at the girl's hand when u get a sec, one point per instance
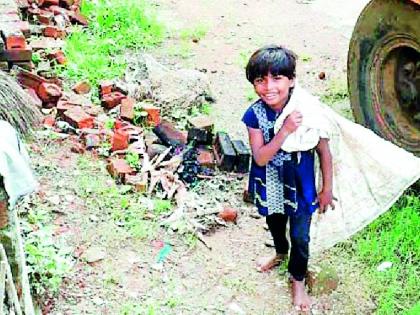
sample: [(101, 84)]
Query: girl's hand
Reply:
[(325, 199), (292, 122)]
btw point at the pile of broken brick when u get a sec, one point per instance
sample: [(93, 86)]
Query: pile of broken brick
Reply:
[(142, 149), (48, 18)]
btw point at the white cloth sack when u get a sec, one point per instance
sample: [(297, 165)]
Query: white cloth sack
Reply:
[(14, 165), (369, 173)]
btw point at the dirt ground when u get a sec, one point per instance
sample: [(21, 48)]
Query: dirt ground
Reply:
[(197, 280)]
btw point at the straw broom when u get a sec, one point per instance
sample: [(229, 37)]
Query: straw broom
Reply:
[(16, 106)]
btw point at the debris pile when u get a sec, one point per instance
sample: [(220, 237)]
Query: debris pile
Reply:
[(49, 19)]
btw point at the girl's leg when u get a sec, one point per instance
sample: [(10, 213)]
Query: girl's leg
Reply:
[(277, 226), (299, 255)]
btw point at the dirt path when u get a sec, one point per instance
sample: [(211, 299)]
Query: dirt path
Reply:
[(196, 280)]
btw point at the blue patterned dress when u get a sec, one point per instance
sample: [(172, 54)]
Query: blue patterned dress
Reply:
[(287, 183)]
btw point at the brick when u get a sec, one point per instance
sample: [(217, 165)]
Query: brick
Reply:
[(49, 92), (45, 17), (82, 87), (16, 54), (200, 130), (29, 80), (119, 140), (127, 108), (57, 10), (119, 169), (106, 87), (2, 45), (48, 121), (45, 43), (66, 3), (206, 158), (112, 99), (77, 148), (63, 106), (92, 141), (153, 114), (169, 135), (224, 152), (78, 118), (78, 18), (53, 31), (228, 214), (13, 38), (58, 56), (139, 182), (243, 156), (34, 96), (9, 17), (46, 3), (23, 26)]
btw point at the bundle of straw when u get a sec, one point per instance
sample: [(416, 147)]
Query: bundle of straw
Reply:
[(16, 106)]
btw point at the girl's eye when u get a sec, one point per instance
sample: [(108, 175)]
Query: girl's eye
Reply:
[(258, 81), (278, 77)]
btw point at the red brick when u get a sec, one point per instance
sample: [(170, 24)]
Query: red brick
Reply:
[(206, 158), (50, 31), (14, 38), (48, 121), (16, 55), (106, 87), (45, 17), (46, 3), (78, 18), (112, 99), (77, 148), (34, 96), (63, 106), (228, 214), (119, 140), (29, 79), (58, 10), (127, 108), (119, 168), (169, 135), (58, 56), (153, 114), (49, 92), (78, 118), (82, 87)]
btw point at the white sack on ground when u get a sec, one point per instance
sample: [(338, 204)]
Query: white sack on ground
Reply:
[(17, 175), (369, 173)]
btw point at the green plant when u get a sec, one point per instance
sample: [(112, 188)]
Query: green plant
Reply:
[(305, 57), (337, 91), (97, 52), (250, 94), (393, 238), (161, 206), (133, 159)]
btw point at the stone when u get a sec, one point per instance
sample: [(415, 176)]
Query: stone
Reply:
[(94, 254), (139, 182), (155, 149)]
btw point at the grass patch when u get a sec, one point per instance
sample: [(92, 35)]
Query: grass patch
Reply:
[(393, 238), (337, 92), (97, 52), (194, 34)]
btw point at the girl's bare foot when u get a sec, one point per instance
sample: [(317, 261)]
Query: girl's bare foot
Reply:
[(301, 299), (267, 263)]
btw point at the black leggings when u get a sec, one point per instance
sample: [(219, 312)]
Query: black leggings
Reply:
[(299, 236)]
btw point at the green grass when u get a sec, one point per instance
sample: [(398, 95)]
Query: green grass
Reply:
[(336, 92), (196, 34), (97, 52), (393, 238)]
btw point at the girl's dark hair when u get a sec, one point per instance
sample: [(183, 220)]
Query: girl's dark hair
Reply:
[(273, 59)]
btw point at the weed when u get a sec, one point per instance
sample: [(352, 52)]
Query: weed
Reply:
[(394, 238), (133, 159), (240, 285), (305, 57), (250, 94), (337, 91), (97, 52), (161, 206)]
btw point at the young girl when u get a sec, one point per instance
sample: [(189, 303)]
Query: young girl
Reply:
[(282, 183)]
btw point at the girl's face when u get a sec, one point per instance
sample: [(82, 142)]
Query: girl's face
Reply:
[(274, 90)]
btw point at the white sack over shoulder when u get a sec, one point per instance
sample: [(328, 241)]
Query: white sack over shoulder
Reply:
[(369, 173)]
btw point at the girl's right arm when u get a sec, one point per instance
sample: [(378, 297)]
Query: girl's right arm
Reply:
[(263, 153)]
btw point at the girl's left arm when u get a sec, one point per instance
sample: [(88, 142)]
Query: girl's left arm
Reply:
[(325, 196)]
